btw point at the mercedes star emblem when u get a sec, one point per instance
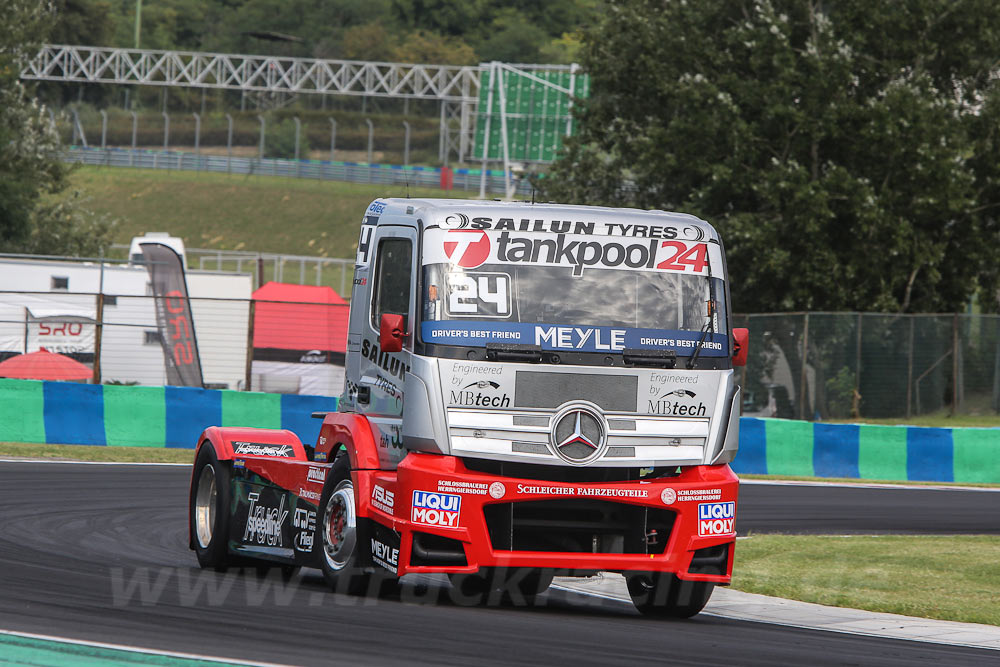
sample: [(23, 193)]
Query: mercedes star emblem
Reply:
[(579, 435)]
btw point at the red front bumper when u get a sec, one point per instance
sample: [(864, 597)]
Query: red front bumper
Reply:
[(657, 525)]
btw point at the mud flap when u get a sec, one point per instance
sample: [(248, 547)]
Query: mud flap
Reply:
[(381, 548)]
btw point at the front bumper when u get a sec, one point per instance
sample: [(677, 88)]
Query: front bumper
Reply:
[(444, 517)]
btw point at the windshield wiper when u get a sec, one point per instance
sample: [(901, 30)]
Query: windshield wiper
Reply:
[(697, 348), (654, 358), (513, 352)]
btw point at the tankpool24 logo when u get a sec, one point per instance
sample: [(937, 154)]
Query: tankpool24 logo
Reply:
[(716, 519)]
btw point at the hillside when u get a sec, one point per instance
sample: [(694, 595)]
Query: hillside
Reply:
[(257, 213)]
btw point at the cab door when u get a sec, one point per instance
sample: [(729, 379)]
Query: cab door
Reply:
[(381, 374)]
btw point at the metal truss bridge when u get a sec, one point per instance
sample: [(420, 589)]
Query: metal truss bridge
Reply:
[(94, 64), (466, 93)]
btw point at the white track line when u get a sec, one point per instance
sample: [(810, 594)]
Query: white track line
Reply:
[(868, 485), (91, 463), (144, 651), (820, 627)]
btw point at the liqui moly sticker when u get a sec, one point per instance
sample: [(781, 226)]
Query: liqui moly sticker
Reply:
[(436, 509), (716, 519)]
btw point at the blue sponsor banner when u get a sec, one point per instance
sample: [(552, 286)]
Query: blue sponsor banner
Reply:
[(564, 338)]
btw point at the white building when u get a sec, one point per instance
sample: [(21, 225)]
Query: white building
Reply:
[(54, 304)]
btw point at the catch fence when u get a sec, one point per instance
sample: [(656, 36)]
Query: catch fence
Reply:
[(847, 365), (801, 365)]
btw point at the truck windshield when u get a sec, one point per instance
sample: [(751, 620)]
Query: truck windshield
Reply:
[(564, 308)]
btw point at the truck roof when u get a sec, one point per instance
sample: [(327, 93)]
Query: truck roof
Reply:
[(434, 211)]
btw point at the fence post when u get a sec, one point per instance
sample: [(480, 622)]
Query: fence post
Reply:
[(855, 400), (954, 364), (135, 130), (333, 137), (406, 144), (263, 130), (229, 145), (197, 138), (98, 331), (249, 373), (803, 377), (371, 140), (298, 133), (909, 371)]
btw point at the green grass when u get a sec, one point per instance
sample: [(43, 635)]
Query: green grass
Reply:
[(948, 578), (237, 212), (96, 453), (853, 480), (941, 419)]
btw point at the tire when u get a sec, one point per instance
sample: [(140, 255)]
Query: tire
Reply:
[(514, 586), (663, 595), (340, 538), (209, 507)]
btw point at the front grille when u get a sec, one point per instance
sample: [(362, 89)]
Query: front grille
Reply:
[(613, 393), (578, 526), (566, 474)]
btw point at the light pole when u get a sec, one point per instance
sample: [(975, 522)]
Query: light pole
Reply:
[(138, 21)]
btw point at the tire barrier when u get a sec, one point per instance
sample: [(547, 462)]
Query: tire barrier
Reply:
[(868, 451), (67, 413)]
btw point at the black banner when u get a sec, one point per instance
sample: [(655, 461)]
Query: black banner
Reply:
[(173, 315)]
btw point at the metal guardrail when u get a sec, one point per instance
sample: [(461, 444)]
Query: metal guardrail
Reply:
[(352, 172)]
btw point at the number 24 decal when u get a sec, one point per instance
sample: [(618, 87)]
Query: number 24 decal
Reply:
[(682, 257), (471, 294)]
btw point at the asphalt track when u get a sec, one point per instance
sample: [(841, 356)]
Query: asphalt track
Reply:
[(99, 553)]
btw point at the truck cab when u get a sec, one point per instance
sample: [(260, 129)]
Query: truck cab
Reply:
[(530, 389)]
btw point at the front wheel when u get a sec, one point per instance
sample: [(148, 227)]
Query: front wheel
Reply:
[(339, 534), (664, 595), (209, 506)]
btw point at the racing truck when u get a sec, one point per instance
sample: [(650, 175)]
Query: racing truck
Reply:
[(530, 390)]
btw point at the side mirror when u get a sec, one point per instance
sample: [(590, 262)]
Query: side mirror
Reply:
[(392, 330), (741, 345)]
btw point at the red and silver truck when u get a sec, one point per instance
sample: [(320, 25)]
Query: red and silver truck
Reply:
[(531, 389)]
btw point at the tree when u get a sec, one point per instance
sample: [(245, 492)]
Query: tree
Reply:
[(38, 212), (845, 150)]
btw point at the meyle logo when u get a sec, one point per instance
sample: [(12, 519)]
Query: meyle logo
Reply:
[(264, 523), (715, 519), (467, 248), (436, 509), (382, 499), (384, 555), (316, 475)]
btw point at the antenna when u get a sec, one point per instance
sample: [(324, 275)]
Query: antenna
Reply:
[(406, 177)]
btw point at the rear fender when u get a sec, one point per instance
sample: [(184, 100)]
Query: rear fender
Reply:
[(255, 442), (354, 433), (230, 442)]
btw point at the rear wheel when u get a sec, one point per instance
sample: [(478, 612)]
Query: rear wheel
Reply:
[(662, 594), (339, 538), (209, 503)]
